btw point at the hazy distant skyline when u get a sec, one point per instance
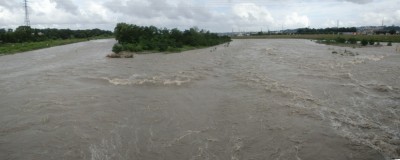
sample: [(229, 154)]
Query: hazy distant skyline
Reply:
[(213, 15)]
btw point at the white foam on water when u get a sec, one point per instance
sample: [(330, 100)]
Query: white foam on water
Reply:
[(366, 58), (174, 79)]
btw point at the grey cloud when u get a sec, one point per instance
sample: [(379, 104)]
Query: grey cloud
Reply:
[(192, 12), (10, 4), (159, 9), (6, 4), (131, 8), (66, 5), (359, 1)]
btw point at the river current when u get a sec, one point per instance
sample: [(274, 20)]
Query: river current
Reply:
[(256, 99)]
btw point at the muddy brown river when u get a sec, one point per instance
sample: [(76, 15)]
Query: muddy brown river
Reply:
[(256, 99)]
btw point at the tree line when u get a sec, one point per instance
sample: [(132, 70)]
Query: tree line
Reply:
[(28, 34), (325, 30), (388, 30), (136, 38)]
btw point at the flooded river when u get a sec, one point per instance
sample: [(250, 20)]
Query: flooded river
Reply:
[(256, 99)]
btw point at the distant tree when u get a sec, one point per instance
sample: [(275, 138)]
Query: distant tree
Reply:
[(176, 38), (26, 34), (124, 33), (133, 38), (23, 33), (2, 34), (325, 30)]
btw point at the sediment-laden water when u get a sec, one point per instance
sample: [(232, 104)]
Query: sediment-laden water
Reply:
[(256, 99)]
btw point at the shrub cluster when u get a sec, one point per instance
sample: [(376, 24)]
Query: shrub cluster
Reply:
[(364, 42), (352, 40), (139, 38), (340, 40)]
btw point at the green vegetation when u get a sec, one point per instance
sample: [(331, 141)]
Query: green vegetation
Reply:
[(325, 30), (376, 38), (364, 42), (371, 42), (352, 40), (334, 39), (28, 34), (384, 30), (135, 38), (389, 43), (340, 40), (11, 48), (25, 38)]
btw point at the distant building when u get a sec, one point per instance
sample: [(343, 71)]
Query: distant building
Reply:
[(368, 30), (349, 33)]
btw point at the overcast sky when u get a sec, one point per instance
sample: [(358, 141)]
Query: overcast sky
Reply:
[(213, 15)]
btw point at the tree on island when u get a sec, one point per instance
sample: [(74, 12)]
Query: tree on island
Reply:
[(135, 38)]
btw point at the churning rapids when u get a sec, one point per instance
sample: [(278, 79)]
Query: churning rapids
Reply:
[(256, 99)]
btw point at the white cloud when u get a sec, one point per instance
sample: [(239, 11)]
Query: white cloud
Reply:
[(66, 5), (214, 15), (397, 15), (360, 1), (50, 14), (252, 12), (249, 16), (294, 20)]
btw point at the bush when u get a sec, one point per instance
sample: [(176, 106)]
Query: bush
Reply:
[(162, 46), (352, 41), (132, 47), (340, 40), (389, 43), (117, 48), (128, 47), (173, 49), (364, 42), (371, 42)]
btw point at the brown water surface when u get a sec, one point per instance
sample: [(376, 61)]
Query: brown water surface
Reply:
[(256, 99)]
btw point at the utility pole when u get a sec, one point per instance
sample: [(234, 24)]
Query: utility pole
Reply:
[(27, 22), (337, 24)]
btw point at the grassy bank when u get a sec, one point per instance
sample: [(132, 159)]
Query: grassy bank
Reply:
[(11, 48), (376, 38)]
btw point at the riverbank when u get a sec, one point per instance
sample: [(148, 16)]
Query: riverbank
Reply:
[(376, 38), (12, 48)]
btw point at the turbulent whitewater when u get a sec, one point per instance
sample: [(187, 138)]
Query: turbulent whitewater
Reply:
[(256, 99)]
